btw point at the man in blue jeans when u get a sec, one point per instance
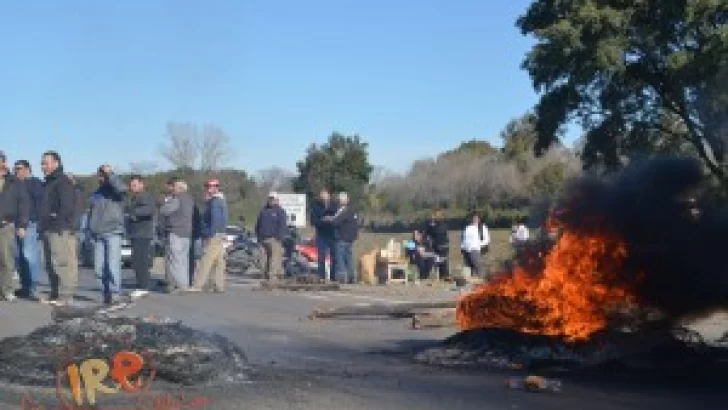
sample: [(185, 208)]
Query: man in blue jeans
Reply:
[(346, 231), (28, 246), (324, 234), (106, 225)]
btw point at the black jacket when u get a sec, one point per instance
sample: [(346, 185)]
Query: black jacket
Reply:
[(324, 230), (437, 235), (346, 224), (196, 221), (34, 187), (14, 202), (141, 216), (57, 212)]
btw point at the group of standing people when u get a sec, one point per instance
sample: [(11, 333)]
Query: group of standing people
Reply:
[(337, 229), (38, 223), (179, 223), (40, 219)]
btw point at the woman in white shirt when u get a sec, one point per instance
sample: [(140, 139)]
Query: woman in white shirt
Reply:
[(475, 240), (519, 236)]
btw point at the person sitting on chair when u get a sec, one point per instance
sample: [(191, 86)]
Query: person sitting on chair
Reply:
[(424, 258)]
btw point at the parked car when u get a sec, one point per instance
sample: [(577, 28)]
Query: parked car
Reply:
[(86, 248)]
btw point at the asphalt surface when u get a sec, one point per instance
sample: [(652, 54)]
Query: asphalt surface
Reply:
[(346, 364)]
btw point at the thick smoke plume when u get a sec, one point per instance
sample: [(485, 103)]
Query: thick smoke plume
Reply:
[(682, 254)]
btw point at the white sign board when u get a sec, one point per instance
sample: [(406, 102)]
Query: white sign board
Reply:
[(295, 207)]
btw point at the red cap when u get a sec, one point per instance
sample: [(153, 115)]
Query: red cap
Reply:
[(213, 182)]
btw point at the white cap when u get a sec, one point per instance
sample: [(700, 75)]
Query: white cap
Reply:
[(273, 195)]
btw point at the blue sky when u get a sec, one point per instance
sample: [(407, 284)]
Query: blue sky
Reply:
[(98, 80)]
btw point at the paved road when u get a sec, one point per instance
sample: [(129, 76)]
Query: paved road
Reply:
[(350, 364)]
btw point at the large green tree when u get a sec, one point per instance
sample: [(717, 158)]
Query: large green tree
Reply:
[(632, 72), (341, 164), (519, 138)]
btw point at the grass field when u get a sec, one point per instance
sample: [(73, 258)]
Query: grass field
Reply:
[(500, 249)]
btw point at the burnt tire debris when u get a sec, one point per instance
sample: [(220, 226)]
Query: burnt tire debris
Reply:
[(657, 351), (179, 354)]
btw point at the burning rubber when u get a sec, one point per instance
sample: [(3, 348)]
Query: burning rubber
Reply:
[(179, 355), (658, 350)]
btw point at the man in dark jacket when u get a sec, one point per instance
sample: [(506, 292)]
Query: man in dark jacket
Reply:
[(57, 229), (346, 225), (214, 224), (140, 233), (271, 229), (178, 214), (14, 212), (28, 246), (195, 240), (437, 235), (324, 234)]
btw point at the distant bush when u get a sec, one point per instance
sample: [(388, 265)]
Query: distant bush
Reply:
[(494, 218)]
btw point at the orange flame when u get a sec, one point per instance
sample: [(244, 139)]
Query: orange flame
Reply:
[(578, 282)]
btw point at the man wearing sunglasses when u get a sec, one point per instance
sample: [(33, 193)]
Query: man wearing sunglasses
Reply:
[(28, 246)]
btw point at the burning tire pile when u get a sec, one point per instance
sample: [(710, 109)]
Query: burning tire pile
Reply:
[(178, 354), (504, 349)]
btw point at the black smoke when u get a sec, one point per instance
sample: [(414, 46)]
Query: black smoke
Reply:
[(675, 235)]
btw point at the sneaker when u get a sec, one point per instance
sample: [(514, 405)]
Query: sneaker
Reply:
[(9, 297), (60, 302), (193, 289)]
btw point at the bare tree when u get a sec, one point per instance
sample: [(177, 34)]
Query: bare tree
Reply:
[(215, 149), (275, 179), (182, 146), (381, 175)]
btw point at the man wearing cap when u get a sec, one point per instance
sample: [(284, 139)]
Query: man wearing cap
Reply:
[(178, 214), (106, 224), (28, 246), (214, 224), (14, 212), (141, 231), (271, 229)]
